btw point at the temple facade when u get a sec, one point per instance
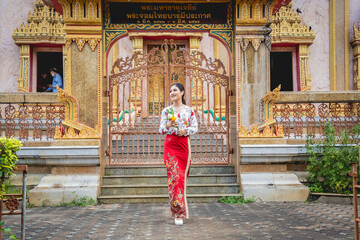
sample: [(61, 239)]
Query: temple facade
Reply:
[(261, 75)]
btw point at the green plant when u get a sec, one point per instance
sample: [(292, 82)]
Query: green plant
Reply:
[(8, 158), (7, 231), (330, 158), (236, 199), (83, 201), (107, 174)]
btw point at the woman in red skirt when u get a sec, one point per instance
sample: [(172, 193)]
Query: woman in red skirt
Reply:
[(178, 121)]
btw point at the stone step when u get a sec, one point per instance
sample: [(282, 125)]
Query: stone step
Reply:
[(192, 198), (161, 170), (160, 179), (230, 188)]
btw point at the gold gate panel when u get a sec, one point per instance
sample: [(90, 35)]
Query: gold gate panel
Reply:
[(142, 84)]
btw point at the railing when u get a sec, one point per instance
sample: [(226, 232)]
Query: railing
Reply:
[(304, 114), (30, 116)]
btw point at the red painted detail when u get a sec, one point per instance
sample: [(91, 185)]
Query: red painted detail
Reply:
[(55, 4), (284, 45), (279, 4), (31, 67), (298, 69), (47, 45)]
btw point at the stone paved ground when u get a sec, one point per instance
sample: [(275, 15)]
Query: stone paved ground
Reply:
[(207, 221)]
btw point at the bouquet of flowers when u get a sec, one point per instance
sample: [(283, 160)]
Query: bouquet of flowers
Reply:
[(171, 115)]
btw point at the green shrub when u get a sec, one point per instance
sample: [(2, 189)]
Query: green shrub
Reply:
[(8, 158), (330, 158)]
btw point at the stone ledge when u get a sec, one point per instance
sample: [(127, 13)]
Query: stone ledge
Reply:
[(55, 189), (319, 97), (29, 98), (273, 187), (60, 156), (251, 154)]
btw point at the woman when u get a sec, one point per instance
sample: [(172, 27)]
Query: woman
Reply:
[(178, 121)]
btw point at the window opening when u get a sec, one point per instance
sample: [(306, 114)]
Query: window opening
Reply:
[(281, 71), (45, 61)]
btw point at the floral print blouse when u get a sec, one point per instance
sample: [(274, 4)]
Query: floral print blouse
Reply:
[(185, 118)]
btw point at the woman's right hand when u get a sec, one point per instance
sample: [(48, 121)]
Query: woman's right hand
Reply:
[(171, 124)]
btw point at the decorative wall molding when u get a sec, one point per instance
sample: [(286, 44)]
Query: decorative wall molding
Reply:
[(355, 43), (81, 40), (82, 12)]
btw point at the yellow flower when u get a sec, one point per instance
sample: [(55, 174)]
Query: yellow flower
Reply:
[(173, 119)]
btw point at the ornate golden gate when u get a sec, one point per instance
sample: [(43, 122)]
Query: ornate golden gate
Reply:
[(139, 89)]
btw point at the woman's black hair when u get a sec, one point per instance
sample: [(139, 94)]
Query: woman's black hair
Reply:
[(181, 88)]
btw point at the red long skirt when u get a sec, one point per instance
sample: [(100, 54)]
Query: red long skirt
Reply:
[(177, 158)]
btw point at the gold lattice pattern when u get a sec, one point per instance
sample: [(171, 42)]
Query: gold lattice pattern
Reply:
[(43, 24), (253, 12)]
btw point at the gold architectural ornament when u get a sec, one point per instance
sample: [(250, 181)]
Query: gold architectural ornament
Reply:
[(244, 43), (254, 12), (305, 79), (268, 127), (287, 28), (44, 25), (23, 79), (268, 103), (264, 131), (73, 129), (137, 43), (82, 12), (80, 41), (355, 43), (195, 43), (256, 43)]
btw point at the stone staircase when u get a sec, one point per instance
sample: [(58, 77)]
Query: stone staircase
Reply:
[(148, 184)]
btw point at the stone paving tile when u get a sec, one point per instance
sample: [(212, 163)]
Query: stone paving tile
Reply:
[(207, 221)]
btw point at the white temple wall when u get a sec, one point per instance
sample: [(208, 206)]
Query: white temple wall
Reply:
[(316, 15), (12, 14)]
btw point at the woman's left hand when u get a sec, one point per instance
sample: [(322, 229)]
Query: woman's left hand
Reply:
[(182, 132)]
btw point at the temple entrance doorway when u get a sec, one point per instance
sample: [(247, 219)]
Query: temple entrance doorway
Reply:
[(139, 89)]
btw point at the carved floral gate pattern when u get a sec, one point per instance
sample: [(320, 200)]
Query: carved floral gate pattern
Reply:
[(133, 127)]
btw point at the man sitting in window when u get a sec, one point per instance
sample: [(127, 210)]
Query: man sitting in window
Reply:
[(57, 80)]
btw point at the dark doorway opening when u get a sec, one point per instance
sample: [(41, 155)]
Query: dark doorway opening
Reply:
[(281, 70), (45, 61)]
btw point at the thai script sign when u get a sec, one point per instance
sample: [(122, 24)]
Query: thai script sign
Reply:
[(168, 13)]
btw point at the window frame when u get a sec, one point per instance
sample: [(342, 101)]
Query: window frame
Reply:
[(295, 68), (35, 51)]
